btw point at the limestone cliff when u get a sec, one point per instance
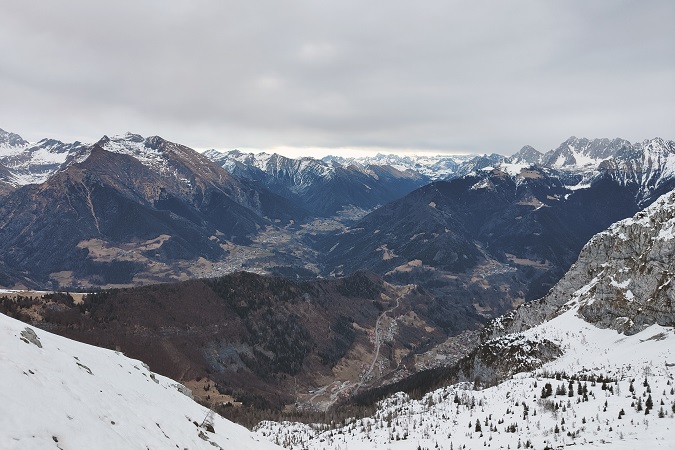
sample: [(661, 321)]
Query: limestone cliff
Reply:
[(621, 280)]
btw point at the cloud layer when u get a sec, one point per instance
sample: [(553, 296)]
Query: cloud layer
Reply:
[(473, 76)]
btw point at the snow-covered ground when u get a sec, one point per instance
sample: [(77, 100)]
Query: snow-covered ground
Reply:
[(514, 415), (58, 393)]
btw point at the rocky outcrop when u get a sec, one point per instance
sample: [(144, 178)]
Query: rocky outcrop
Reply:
[(622, 279), (632, 288), (649, 167), (527, 155), (29, 337), (503, 357)]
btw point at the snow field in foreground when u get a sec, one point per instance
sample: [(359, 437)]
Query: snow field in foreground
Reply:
[(58, 393)]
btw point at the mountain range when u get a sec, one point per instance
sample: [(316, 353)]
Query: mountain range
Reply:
[(128, 205), (504, 234), (590, 364), (129, 210), (323, 188), (565, 256)]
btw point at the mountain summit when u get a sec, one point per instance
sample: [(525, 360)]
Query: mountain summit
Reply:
[(127, 205)]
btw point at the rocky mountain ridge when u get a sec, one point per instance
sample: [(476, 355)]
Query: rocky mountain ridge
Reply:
[(127, 206), (582, 152), (323, 187), (621, 280), (575, 154), (436, 167), (648, 167), (577, 162)]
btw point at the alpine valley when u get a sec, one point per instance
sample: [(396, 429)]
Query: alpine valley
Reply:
[(453, 301)]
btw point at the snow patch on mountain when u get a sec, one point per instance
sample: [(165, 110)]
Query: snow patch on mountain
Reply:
[(299, 173), (33, 163), (140, 148), (514, 169), (60, 393)]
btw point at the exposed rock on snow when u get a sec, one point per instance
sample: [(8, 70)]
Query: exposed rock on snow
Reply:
[(29, 336), (501, 358)]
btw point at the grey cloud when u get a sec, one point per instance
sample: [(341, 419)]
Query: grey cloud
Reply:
[(442, 75)]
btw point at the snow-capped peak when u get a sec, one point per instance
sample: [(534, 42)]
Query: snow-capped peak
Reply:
[(11, 141), (527, 155), (33, 163), (164, 157), (583, 153), (301, 171), (438, 167)]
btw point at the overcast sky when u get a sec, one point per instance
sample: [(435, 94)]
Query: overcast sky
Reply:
[(321, 76)]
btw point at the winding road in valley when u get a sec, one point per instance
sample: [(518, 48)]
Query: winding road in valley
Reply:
[(378, 339), (346, 385)]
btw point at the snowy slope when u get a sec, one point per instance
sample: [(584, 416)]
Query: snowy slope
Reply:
[(513, 412), (58, 393), (39, 161)]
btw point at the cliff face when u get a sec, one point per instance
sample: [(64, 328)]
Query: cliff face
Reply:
[(622, 279), (632, 264)]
